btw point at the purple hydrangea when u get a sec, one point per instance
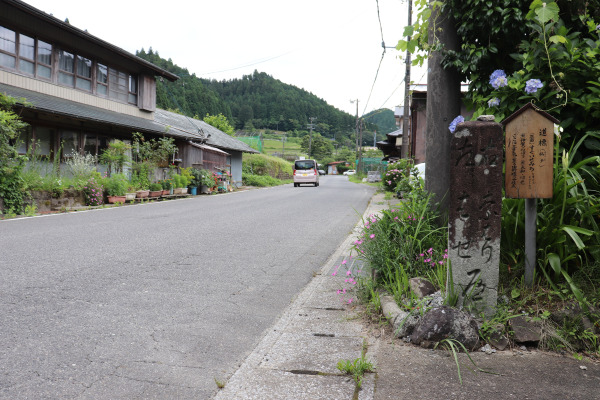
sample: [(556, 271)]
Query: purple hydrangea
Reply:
[(455, 122), (498, 79), (494, 102), (532, 85)]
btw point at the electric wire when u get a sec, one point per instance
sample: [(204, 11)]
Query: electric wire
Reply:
[(380, 61)]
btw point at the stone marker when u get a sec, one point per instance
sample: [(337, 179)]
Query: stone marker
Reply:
[(475, 205)]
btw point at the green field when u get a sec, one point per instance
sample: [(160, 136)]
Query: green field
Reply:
[(291, 147)]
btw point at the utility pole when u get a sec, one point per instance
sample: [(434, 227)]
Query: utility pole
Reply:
[(443, 105), (405, 134), (360, 159), (310, 126), (356, 125)]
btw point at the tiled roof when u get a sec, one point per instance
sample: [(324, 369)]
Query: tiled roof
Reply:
[(216, 137), (179, 126)]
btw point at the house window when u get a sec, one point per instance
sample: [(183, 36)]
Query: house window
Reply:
[(102, 79), (83, 79), (133, 89), (70, 143), (118, 85), (44, 60), (8, 48), (34, 57), (26, 54), (102, 144), (42, 138), (23, 142), (66, 68)]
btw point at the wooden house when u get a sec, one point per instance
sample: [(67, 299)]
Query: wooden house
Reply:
[(81, 92)]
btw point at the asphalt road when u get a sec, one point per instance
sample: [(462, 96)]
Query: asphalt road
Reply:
[(157, 301)]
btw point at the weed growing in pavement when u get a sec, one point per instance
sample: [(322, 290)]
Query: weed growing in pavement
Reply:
[(220, 384), (454, 347), (356, 368)]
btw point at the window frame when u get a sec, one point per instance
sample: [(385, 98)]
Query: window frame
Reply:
[(124, 87)]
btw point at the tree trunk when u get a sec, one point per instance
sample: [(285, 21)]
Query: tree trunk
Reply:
[(443, 105)]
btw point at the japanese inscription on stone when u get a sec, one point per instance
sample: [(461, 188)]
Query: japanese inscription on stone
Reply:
[(474, 213), (529, 149)]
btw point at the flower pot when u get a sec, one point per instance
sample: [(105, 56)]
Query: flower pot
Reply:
[(165, 192), (155, 193), (193, 190), (142, 194), (178, 190), (130, 196), (116, 199), (184, 190)]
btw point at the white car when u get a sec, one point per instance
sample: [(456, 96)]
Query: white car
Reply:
[(350, 172), (421, 170)]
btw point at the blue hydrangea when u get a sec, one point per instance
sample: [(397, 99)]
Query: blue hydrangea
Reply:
[(455, 122), (532, 85), (494, 102), (498, 79)]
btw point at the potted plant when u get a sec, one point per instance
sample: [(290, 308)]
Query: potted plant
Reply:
[(166, 186), (207, 181), (155, 189), (196, 181), (177, 184), (130, 194), (116, 187), (184, 181), (142, 193)]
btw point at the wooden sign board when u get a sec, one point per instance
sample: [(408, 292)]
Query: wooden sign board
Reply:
[(529, 153)]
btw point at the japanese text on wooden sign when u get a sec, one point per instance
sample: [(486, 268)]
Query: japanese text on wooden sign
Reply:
[(529, 155)]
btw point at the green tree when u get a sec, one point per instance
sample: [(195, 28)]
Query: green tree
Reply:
[(320, 146), (220, 122), (11, 163)]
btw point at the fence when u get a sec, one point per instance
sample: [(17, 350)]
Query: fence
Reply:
[(252, 141), (372, 164)]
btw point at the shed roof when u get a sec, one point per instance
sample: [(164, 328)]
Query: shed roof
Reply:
[(214, 137), (209, 148)]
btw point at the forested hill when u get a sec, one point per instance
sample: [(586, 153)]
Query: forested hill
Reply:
[(254, 101)]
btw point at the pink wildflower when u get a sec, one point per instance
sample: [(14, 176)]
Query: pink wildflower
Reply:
[(372, 236)]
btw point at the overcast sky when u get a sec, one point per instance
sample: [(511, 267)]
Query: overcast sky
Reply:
[(331, 48)]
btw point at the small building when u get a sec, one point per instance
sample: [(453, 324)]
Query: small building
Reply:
[(332, 168), (417, 127)]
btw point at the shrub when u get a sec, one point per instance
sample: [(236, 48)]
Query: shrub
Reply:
[(155, 186), (116, 185), (82, 166), (403, 242), (260, 180), (398, 172), (260, 164), (93, 192)]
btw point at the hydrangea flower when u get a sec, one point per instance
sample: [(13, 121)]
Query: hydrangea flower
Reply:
[(532, 85), (455, 122), (494, 102), (498, 79)]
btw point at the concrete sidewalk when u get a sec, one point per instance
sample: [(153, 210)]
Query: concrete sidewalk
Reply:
[(297, 359)]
